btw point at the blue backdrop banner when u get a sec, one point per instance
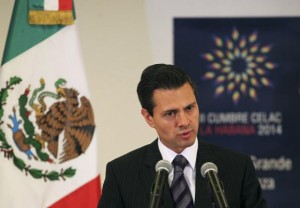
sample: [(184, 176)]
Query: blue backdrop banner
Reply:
[(248, 76)]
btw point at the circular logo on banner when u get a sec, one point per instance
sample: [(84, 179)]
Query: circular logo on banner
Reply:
[(239, 65)]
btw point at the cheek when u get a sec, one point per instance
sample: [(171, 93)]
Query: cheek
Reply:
[(195, 121), (196, 118), (165, 128)]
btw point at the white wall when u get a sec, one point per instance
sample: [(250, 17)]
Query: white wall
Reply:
[(116, 47)]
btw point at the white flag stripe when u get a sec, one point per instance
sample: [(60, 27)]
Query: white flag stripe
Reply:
[(51, 5)]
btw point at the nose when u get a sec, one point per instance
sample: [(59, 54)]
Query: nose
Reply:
[(183, 120)]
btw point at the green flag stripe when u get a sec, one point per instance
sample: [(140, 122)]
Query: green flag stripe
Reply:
[(22, 36), (36, 4)]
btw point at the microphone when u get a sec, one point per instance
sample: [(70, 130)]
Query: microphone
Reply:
[(209, 171), (163, 169)]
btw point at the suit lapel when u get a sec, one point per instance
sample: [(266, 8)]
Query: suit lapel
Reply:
[(147, 173), (203, 194)]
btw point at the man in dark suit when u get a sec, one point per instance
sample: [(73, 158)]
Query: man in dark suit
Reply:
[(168, 99)]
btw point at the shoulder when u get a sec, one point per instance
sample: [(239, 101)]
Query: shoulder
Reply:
[(224, 158), (132, 158), (220, 151)]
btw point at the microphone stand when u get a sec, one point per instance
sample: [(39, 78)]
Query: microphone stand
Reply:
[(157, 191), (213, 202)]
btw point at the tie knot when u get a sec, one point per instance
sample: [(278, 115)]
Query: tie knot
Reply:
[(180, 162)]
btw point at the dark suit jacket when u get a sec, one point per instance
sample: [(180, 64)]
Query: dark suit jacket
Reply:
[(129, 179)]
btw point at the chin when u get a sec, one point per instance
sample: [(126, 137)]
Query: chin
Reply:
[(188, 143)]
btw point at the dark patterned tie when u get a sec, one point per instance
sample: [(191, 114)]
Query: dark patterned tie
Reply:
[(179, 187)]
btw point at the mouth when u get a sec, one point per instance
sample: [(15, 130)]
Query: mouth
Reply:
[(185, 134)]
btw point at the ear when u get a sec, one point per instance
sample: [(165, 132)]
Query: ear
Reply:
[(147, 117)]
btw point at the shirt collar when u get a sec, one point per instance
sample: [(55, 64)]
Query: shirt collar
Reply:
[(190, 153)]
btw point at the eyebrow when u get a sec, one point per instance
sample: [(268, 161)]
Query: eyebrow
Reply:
[(175, 110)]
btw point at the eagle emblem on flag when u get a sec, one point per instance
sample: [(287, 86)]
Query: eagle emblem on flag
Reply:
[(46, 126)]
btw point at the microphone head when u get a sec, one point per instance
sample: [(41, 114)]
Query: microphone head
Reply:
[(208, 166), (164, 165)]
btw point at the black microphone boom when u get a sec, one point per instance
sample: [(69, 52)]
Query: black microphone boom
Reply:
[(209, 170), (163, 169)]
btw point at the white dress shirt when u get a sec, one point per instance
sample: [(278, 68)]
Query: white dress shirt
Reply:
[(190, 154)]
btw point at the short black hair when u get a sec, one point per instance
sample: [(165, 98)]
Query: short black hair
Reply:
[(160, 76)]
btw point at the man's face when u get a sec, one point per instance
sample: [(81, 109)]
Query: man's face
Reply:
[(175, 117)]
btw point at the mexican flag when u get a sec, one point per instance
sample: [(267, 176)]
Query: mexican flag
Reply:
[(48, 144)]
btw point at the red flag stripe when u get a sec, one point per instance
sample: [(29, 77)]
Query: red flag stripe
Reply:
[(65, 4), (86, 196)]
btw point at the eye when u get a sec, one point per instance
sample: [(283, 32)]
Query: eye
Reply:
[(190, 108), (170, 114)]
